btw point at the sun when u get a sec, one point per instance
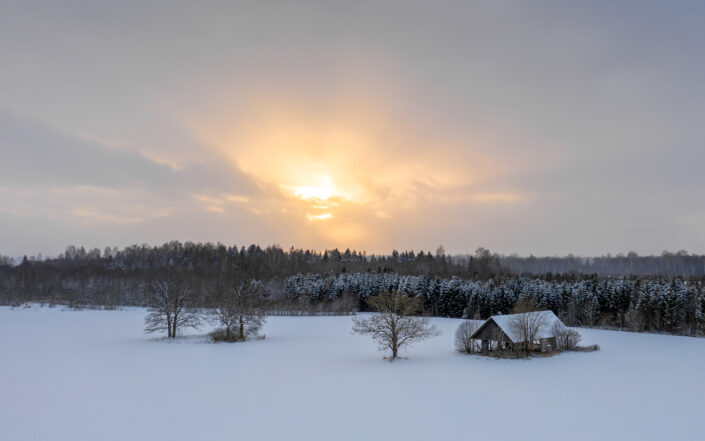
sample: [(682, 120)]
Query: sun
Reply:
[(322, 191), (319, 196)]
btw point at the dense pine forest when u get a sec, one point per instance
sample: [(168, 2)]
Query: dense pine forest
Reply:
[(655, 293)]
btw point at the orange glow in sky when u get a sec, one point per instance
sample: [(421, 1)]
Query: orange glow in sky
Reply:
[(345, 175), (322, 191)]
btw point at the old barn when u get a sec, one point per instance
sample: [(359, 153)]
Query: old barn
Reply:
[(529, 330)]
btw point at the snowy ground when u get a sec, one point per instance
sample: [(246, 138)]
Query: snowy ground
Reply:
[(93, 375)]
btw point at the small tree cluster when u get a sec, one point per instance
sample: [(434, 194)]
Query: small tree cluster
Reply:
[(238, 309), (239, 312)]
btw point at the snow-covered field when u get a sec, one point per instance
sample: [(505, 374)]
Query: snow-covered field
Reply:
[(93, 375)]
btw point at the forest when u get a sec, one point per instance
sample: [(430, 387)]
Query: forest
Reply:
[(656, 293)]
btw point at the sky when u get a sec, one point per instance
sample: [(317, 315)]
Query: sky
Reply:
[(529, 127)]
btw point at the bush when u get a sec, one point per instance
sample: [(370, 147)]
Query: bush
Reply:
[(566, 339), (590, 348), (219, 335), (463, 342)]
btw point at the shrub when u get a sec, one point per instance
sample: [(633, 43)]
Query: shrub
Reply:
[(220, 335), (566, 339), (463, 342)]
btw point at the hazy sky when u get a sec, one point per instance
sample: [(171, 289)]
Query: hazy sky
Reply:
[(521, 126)]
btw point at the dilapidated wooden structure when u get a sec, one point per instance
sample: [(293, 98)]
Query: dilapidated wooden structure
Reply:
[(529, 330)]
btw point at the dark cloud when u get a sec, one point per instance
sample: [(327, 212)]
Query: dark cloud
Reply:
[(35, 155)]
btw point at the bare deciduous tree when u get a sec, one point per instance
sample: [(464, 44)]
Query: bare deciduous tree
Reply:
[(463, 342), (527, 323), (393, 326), (170, 308), (239, 311)]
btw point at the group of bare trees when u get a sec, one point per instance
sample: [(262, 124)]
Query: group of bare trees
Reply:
[(238, 312)]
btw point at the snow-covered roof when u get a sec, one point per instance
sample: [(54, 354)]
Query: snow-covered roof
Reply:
[(507, 323)]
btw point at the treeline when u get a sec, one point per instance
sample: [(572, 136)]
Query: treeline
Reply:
[(115, 277), (273, 261), (334, 281), (659, 304), (672, 264)]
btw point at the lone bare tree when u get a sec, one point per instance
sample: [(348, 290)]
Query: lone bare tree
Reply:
[(393, 326), (239, 311), (170, 308)]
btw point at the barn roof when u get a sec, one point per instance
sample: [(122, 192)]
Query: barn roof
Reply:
[(505, 323)]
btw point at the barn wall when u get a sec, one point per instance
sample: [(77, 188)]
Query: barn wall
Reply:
[(490, 332)]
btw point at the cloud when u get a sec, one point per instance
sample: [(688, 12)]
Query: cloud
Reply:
[(36, 155), (73, 185), (544, 127)]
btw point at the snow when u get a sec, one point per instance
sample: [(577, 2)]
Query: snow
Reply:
[(93, 375), (546, 329)]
